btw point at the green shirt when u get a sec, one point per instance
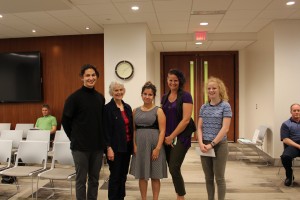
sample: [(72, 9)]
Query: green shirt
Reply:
[(46, 122)]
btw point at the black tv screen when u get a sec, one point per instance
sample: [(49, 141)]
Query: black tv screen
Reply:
[(20, 77)]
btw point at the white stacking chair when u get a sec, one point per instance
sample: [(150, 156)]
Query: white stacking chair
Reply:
[(257, 141), (39, 135), (62, 128), (62, 168), (24, 127), (60, 136), (34, 155), (14, 135), (5, 126), (5, 154)]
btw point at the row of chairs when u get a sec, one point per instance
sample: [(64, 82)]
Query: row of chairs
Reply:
[(20, 126), (33, 135), (34, 155)]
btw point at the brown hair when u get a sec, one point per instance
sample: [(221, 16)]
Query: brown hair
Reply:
[(149, 85)]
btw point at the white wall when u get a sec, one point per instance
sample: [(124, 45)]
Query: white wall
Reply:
[(259, 85), (268, 72), (151, 67), (287, 71), (126, 42)]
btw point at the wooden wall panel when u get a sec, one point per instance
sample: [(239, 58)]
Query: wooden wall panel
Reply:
[(62, 57)]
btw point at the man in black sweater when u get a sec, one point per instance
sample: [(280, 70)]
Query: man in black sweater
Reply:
[(83, 123)]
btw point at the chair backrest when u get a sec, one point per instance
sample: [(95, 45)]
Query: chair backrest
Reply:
[(5, 151), (14, 135), (61, 136), (5, 126), (62, 154), (39, 135), (24, 127), (33, 152), (259, 134), (255, 135)]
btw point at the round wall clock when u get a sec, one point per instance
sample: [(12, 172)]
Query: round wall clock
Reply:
[(124, 70)]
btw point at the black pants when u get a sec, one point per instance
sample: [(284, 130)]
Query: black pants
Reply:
[(287, 157), (175, 156), (118, 175), (87, 165)]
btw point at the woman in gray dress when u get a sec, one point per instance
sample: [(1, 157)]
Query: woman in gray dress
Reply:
[(149, 160)]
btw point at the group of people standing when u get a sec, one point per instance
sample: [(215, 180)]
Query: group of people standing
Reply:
[(149, 134)]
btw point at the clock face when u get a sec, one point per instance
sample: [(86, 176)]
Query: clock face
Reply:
[(124, 70)]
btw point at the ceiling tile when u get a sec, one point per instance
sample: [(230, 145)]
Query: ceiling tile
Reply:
[(249, 5), (211, 5), (163, 18), (177, 5)]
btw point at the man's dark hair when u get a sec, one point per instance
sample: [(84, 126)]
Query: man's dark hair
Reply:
[(46, 106), (88, 66)]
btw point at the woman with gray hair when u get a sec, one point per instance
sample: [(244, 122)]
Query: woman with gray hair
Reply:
[(118, 138)]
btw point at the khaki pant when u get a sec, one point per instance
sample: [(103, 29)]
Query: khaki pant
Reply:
[(214, 168)]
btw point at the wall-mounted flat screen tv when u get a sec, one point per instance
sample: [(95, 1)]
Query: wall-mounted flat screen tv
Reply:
[(20, 77)]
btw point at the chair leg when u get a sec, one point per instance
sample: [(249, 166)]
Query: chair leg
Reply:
[(261, 157), (37, 188), (71, 189), (31, 187), (17, 184), (279, 170), (53, 190), (51, 182)]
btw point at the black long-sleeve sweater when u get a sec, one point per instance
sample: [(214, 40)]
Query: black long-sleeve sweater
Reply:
[(83, 119)]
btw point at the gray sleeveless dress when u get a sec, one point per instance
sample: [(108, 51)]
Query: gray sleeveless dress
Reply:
[(142, 166)]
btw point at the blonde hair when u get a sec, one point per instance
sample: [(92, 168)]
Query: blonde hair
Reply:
[(221, 85), (113, 85)]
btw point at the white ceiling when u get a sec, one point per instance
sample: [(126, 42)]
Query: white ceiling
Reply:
[(172, 23)]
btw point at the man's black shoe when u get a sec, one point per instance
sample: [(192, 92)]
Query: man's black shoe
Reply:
[(288, 181)]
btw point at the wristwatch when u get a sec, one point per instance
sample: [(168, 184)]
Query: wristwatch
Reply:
[(213, 144)]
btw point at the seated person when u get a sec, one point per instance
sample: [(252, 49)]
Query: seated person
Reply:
[(290, 135), (47, 122)]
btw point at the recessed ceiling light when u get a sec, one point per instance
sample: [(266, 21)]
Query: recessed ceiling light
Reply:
[(198, 43), (33, 30), (290, 3), (135, 8), (87, 28), (204, 23), (1, 16)]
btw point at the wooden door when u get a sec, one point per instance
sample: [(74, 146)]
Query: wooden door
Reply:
[(220, 64), (223, 67)]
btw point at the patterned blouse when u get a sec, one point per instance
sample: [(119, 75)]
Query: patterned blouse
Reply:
[(212, 116)]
